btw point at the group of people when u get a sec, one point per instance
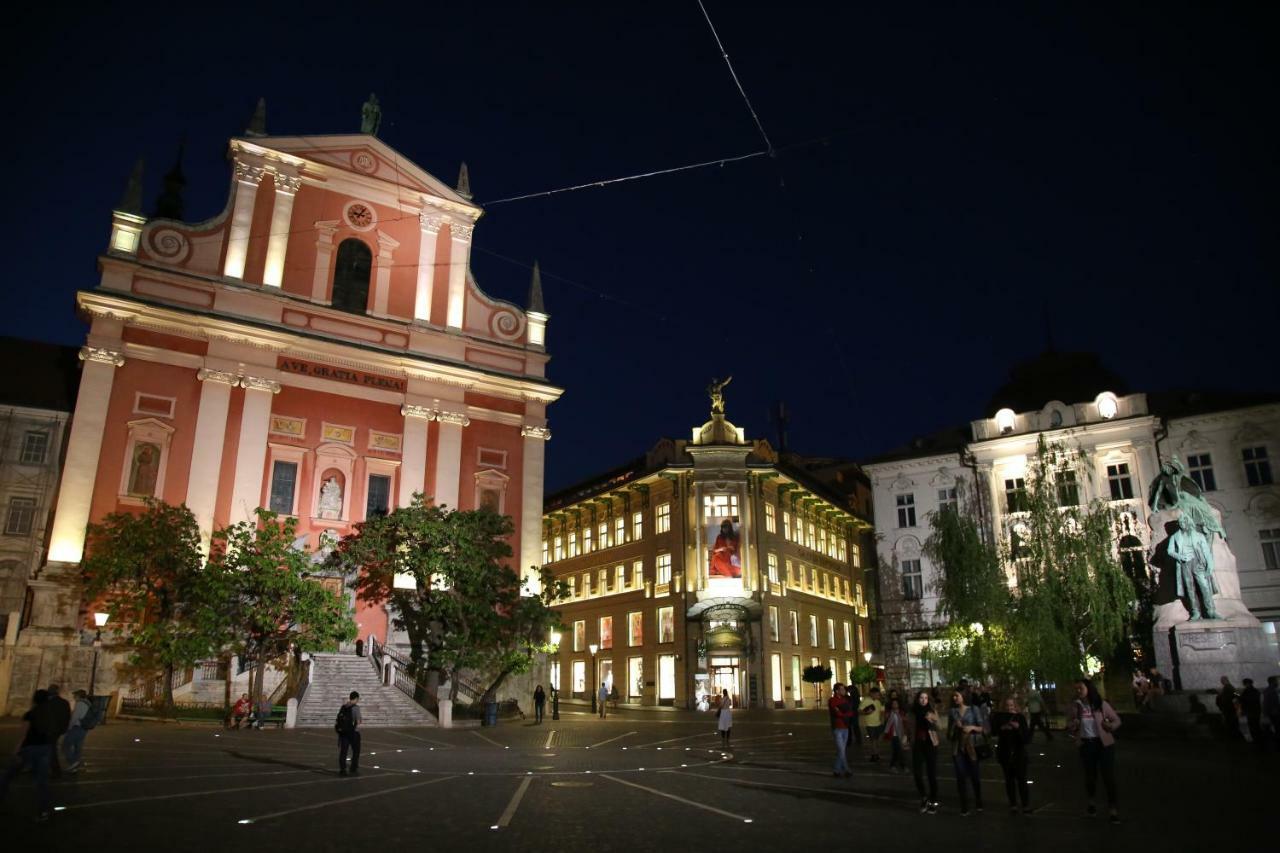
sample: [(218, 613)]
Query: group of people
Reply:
[(974, 733), (243, 712), (50, 719), (1251, 714)]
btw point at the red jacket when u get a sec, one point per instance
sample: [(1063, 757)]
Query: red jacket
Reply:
[(841, 712)]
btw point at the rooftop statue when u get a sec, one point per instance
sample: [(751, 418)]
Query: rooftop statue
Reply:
[(370, 116), (716, 391)]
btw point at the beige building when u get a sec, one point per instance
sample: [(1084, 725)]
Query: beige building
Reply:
[(710, 564)]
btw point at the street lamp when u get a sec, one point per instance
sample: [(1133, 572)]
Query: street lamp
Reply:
[(555, 688), (866, 656), (99, 621), (593, 648)]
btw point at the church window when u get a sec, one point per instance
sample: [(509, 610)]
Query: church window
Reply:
[(351, 276), (378, 501), (284, 482)]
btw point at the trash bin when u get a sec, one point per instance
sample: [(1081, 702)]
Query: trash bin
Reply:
[(99, 705), (490, 717), (359, 648)]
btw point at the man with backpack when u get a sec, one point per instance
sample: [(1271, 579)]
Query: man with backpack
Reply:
[(82, 719), (348, 728)]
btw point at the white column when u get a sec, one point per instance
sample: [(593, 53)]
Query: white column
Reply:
[(430, 228), (84, 446), (324, 251), (449, 457), (251, 454), (413, 471), (531, 485), (278, 240), (382, 275), (459, 260), (206, 454), (247, 180)]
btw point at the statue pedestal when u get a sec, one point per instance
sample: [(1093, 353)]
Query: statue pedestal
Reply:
[(1197, 654)]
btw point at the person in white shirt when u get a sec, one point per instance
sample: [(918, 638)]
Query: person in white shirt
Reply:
[(73, 742)]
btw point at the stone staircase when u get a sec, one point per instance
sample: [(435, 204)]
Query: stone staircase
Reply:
[(333, 677)]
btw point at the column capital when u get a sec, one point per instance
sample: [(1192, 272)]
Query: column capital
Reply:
[(461, 231), (205, 374), (430, 221), (540, 432), (257, 383), (286, 183), (411, 411), (102, 356), (247, 174), (455, 418)]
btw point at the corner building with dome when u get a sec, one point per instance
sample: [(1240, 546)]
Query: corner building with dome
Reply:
[(711, 563), (320, 348)]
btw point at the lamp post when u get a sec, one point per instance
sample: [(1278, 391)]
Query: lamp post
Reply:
[(99, 621), (593, 648), (555, 688)]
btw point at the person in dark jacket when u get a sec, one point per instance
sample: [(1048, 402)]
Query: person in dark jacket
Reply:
[(1271, 706), (1251, 707), (1013, 733), (60, 715), (539, 703), (1226, 703), (922, 721), (35, 750)]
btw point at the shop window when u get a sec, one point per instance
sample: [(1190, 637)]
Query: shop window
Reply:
[(580, 677), (606, 632), (579, 635), (666, 625), (635, 628), (351, 275)]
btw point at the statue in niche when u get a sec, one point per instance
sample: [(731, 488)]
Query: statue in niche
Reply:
[(330, 505), (370, 116), (146, 469), (1192, 551), (716, 391)]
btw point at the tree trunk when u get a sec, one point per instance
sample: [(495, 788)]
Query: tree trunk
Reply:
[(261, 671), (168, 687), (226, 685)]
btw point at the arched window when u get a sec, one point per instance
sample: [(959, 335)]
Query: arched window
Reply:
[(1133, 559), (351, 276)]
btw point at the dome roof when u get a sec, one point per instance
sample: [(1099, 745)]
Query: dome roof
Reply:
[(1071, 377)]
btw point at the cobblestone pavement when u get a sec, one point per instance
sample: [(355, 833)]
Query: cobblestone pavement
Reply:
[(633, 781)]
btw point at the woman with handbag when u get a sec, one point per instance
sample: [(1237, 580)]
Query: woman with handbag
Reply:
[(924, 750), (895, 732), (1013, 733), (1091, 720), (968, 734)]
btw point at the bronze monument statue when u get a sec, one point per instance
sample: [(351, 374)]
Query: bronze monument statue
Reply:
[(370, 116)]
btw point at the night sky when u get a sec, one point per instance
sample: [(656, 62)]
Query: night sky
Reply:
[(949, 183)]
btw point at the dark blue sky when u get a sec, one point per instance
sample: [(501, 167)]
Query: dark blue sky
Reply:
[(946, 176)]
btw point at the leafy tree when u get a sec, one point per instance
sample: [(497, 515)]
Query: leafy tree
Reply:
[(1071, 600), (147, 568), (269, 604), (460, 604), (862, 674), (816, 675)]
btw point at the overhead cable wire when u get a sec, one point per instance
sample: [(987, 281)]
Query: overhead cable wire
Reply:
[(604, 183), (724, 53)]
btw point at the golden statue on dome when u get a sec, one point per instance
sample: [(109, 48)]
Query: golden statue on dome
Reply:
[(716, 391)]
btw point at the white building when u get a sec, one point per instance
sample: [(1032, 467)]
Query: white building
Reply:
[(1229, 444)]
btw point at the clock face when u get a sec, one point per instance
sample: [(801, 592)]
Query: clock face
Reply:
[(359, 215)]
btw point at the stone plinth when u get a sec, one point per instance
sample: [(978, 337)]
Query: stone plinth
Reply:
[(1198, 654)]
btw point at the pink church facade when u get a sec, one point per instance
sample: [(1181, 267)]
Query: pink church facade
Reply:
[(320, 348)]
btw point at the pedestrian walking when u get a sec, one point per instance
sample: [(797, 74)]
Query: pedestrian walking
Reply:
[(873, 719), (923, 721), (60, 713), (1271, 706), (1251, 708), (1013, 733), (1091, 721), (82, 719), (539, 703), (603, 696), (840, 713), (1226, 703), (896, 734), (1039, 715), (967, 731), (35, 751), (348, 728), (240, 710), (724, 719), (855, 724)]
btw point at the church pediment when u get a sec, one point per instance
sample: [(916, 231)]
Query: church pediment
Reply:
[(358, 154)]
